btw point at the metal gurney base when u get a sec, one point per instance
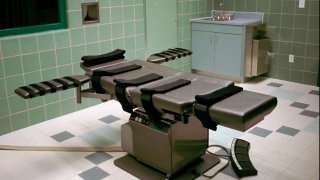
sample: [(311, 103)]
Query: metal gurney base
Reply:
[(144, 171)]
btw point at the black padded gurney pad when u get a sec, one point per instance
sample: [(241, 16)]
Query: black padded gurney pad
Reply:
[(218, 95), (97, 74), (138, 81), (99, 59), (239, 111), (242, 110), (115, 71), (108, 84), (179, 100), (166, 88)]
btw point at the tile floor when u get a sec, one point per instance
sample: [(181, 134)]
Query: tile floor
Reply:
[(285, 145)]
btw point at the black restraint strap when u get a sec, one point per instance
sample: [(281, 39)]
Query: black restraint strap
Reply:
[(103, 58), (147, 93), (97, 74), (204, 102), (122, 84)]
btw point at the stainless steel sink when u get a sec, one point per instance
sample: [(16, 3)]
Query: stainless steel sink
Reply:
[(231, 18), (223, 16)]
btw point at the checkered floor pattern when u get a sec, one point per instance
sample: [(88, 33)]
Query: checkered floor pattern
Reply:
[(285, 145)]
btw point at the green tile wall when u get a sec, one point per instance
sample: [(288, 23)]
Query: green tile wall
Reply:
[(42, 56), (188, 9), (293, 30)]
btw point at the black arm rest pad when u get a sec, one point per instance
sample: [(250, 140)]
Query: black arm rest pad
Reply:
[(138, 81), (27, 92), (43, 89), (176, 53), (166, 87), (166, 57), (55, 86), (112, 72), (65, 82), (218, 95), (183, 53), (108, 57), (184, 50), (78, 79), (171, 55)]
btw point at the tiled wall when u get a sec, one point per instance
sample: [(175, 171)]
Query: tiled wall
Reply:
[(188, 9), (42, 56), (292, 31)]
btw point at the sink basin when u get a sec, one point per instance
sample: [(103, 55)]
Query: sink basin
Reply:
[(222, 16)]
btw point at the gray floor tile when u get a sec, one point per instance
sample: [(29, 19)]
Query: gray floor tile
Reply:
[(109, 119), (310, 113), (63, 136), (260, 132), (288, 131), (299, 105), (287, 94), (314, 92), (94, 173), (275, 84), (313, 127), (98, 157), (111, 133), (96, 139)]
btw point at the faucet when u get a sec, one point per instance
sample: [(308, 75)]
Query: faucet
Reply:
[(221, 5)]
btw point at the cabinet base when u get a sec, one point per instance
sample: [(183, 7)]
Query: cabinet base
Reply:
[(216, 75), (143, 171)]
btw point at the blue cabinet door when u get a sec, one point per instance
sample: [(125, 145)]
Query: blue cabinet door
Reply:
[(202, 47), (228, 58)]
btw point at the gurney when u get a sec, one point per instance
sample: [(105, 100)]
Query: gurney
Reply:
[(171, 112)]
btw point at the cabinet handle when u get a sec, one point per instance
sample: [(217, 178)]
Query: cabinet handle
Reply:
[(217, 40)]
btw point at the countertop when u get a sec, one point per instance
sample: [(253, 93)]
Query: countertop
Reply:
[(240, 19)]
